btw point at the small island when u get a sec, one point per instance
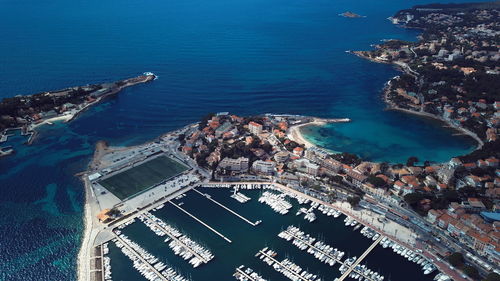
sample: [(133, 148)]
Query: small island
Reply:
[(28, 112), (351, 15)]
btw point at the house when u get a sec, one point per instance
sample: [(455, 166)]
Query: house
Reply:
[(433, 215), (444, 220), (356, 177), (298, 151), (281, 156)]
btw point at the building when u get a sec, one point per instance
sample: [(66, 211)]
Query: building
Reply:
[(298, 151), (255, 128), (281, 156), (433, 215), (356, 177), (331, 164), (234, 165), (267, 168), (306, 166), (316, 154)]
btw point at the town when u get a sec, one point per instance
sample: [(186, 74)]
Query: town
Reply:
[(226, 148)]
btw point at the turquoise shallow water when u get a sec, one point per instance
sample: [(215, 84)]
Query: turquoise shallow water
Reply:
[(247, 57)]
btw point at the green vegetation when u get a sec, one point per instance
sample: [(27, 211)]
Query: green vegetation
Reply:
[(492, 277), (456, 259), (142, 177), (353, 200), (376, 181)]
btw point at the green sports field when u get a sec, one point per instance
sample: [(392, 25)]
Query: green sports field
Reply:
[(139, 178)]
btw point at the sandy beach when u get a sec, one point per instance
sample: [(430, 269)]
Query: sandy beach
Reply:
[(64, 118), (295, 135)]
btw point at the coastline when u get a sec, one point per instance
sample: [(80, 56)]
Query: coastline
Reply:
[(296, 135), (392, 106), (462, 130), (83, 259)]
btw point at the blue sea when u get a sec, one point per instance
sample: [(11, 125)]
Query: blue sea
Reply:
[(246, 57)]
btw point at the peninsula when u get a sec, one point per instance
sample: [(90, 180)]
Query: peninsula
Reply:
[(27, 112)]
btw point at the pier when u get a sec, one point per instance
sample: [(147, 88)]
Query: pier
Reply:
[(353, 266), (284, 266), (245, 275), (226, 208), (177, 240), (141, 258), (200, 221), (315, 248)]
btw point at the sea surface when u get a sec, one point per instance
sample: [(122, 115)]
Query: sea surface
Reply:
[(246, 57)]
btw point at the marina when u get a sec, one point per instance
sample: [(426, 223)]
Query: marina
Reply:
[(304, 256)]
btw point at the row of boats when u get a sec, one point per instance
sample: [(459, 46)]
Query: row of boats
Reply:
[(240, 197), (359, 272), (180, 244), (277, 202), (247, 274), (427, 266), (147, 264), (286, 267), (106, 262), (321, 251)]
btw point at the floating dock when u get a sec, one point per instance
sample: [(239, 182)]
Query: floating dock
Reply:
[(298, 275), (132, 250), (200, 221), (173, 237)]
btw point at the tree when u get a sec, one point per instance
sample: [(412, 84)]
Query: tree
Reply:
[(353, 200), (384, 166), (456, 259), (471, 271), (411, 161), (413, 198), (492, 277), (376, 181)]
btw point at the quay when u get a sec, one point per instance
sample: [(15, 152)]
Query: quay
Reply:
[(177, 240), (284, 266), (226, 208), (200, 221), (361, 258), (140, 257)]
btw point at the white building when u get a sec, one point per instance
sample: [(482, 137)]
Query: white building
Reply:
[(236, 165), (255, 128), (264, 167)]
